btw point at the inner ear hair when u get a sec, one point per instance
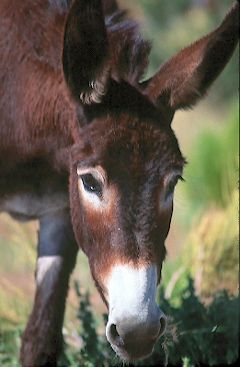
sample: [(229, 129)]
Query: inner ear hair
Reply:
[(96, 88)]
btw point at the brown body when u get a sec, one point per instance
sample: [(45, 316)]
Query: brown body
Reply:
[(76, 122)]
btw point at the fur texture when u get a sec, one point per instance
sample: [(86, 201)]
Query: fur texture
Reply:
[(71, 98)]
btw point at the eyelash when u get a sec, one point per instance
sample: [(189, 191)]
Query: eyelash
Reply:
[(171, 186)]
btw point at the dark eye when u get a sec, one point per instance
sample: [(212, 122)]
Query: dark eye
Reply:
[(91, 184), (171, 186)]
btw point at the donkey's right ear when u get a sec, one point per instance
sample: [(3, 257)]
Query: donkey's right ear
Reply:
[(85, 51)]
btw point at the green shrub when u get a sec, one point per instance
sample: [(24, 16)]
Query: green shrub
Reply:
[(198, 333), (95, 350), (9, 345)]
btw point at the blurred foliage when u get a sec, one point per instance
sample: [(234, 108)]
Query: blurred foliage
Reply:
[(9, 346), (17, 261), (212, 251), (212, 172), (10, 233)]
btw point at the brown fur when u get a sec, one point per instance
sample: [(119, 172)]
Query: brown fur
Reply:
[(57, 111)]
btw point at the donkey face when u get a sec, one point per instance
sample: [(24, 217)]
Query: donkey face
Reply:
[(122, 191), (126, 163)]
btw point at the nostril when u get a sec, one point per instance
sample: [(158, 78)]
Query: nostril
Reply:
[(113, 331), (163, 324), (114, 335)]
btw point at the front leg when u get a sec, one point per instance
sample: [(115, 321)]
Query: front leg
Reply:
[(57, 250)]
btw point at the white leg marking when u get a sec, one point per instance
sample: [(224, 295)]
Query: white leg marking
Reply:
[(48, 266)]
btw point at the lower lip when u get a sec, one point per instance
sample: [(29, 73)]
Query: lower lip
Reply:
[(131, 357)]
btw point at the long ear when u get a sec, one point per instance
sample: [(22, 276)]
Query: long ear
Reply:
[(185, 78), (85, 51)]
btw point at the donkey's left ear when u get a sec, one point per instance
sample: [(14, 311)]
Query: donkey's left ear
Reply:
[(85, 51), (185, 78)]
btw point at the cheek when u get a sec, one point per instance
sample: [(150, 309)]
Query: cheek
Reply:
[(99, 214), (99, 232), (100, 222), (100, 225)]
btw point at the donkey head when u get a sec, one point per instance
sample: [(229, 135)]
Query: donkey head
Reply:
[(126, 161)]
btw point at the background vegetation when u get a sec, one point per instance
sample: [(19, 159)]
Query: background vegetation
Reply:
[(200, 277)]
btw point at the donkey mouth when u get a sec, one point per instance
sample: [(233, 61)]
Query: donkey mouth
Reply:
[(132, 352)]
